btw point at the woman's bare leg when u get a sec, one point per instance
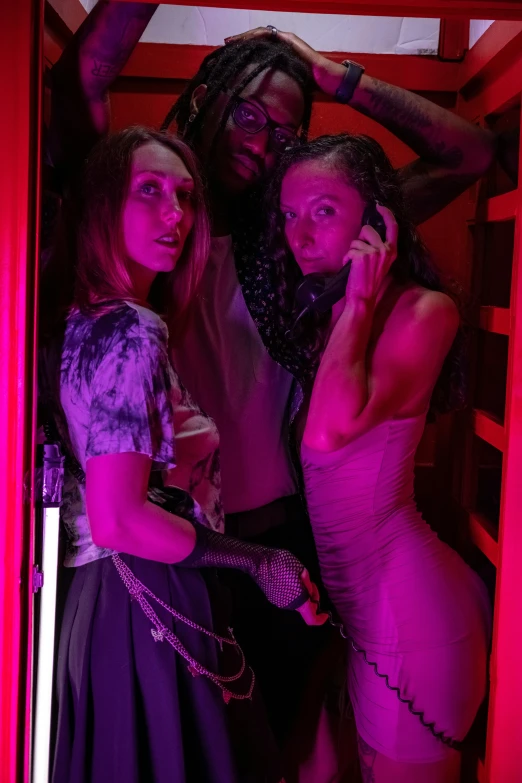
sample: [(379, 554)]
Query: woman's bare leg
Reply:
[(376, 768)]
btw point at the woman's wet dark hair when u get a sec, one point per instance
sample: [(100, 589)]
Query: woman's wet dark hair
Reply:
[(368, 169)]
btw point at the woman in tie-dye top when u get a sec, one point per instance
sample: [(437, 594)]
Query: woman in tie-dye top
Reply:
[(142, 506)]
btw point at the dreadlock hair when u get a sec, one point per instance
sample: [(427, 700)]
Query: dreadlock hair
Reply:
[(368, 169), (218, 71), (221, 68)]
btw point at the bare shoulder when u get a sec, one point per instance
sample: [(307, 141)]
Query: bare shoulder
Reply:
[(428, 309)]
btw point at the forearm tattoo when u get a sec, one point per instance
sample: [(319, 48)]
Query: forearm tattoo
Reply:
[(410, 119), (108, 37)]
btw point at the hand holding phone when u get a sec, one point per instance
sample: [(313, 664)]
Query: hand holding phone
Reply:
[(371, 258), (318, 293)]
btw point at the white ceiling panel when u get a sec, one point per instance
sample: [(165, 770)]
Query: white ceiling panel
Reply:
[(179, 24)]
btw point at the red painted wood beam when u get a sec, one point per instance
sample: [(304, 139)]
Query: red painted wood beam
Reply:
[(181, 61), (495, 88), (500, 45), (20, 98), (503, 747), (465, 9), (71, 14), (453, 39)]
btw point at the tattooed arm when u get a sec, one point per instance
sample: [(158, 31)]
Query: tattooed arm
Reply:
[(452, 152), (81, 78)]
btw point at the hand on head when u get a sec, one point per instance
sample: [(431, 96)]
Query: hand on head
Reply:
[(327, 74)]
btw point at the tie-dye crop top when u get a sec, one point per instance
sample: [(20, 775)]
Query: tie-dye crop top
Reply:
[(119, 393)]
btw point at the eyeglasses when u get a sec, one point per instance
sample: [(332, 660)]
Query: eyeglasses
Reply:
[(252, 119)]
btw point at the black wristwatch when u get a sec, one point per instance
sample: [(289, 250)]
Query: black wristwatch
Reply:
[(351, 79)]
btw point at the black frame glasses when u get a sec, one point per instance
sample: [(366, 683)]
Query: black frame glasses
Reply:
[(291, 137)]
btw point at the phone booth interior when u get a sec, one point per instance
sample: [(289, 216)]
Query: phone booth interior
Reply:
[(468, 464)]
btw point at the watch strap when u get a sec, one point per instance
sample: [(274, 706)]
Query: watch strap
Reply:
[(351, 79)]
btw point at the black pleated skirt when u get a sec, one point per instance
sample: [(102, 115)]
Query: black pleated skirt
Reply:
[(129, 709)]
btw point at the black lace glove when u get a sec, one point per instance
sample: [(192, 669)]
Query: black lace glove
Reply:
[(276, 571)]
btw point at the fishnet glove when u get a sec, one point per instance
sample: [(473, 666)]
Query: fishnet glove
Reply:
[(276, 571)]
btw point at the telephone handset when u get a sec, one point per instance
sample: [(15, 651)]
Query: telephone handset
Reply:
[(318, 293)]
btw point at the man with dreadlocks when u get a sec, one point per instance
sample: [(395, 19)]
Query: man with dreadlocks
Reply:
[(250, 100)]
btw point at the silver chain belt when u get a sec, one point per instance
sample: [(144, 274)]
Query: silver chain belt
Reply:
[(138, 592)]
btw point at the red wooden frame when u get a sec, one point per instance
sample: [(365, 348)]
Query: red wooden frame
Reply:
[(70, 12), (499, 208), (492, 83), (20, 95), (464, 9), (491, 74), (484, 536), (453, 39), (504, 751), (491, 52), (496, 320), (181, 61), (486, 428)]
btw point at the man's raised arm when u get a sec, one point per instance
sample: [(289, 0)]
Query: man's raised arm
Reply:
[(81, 78)]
